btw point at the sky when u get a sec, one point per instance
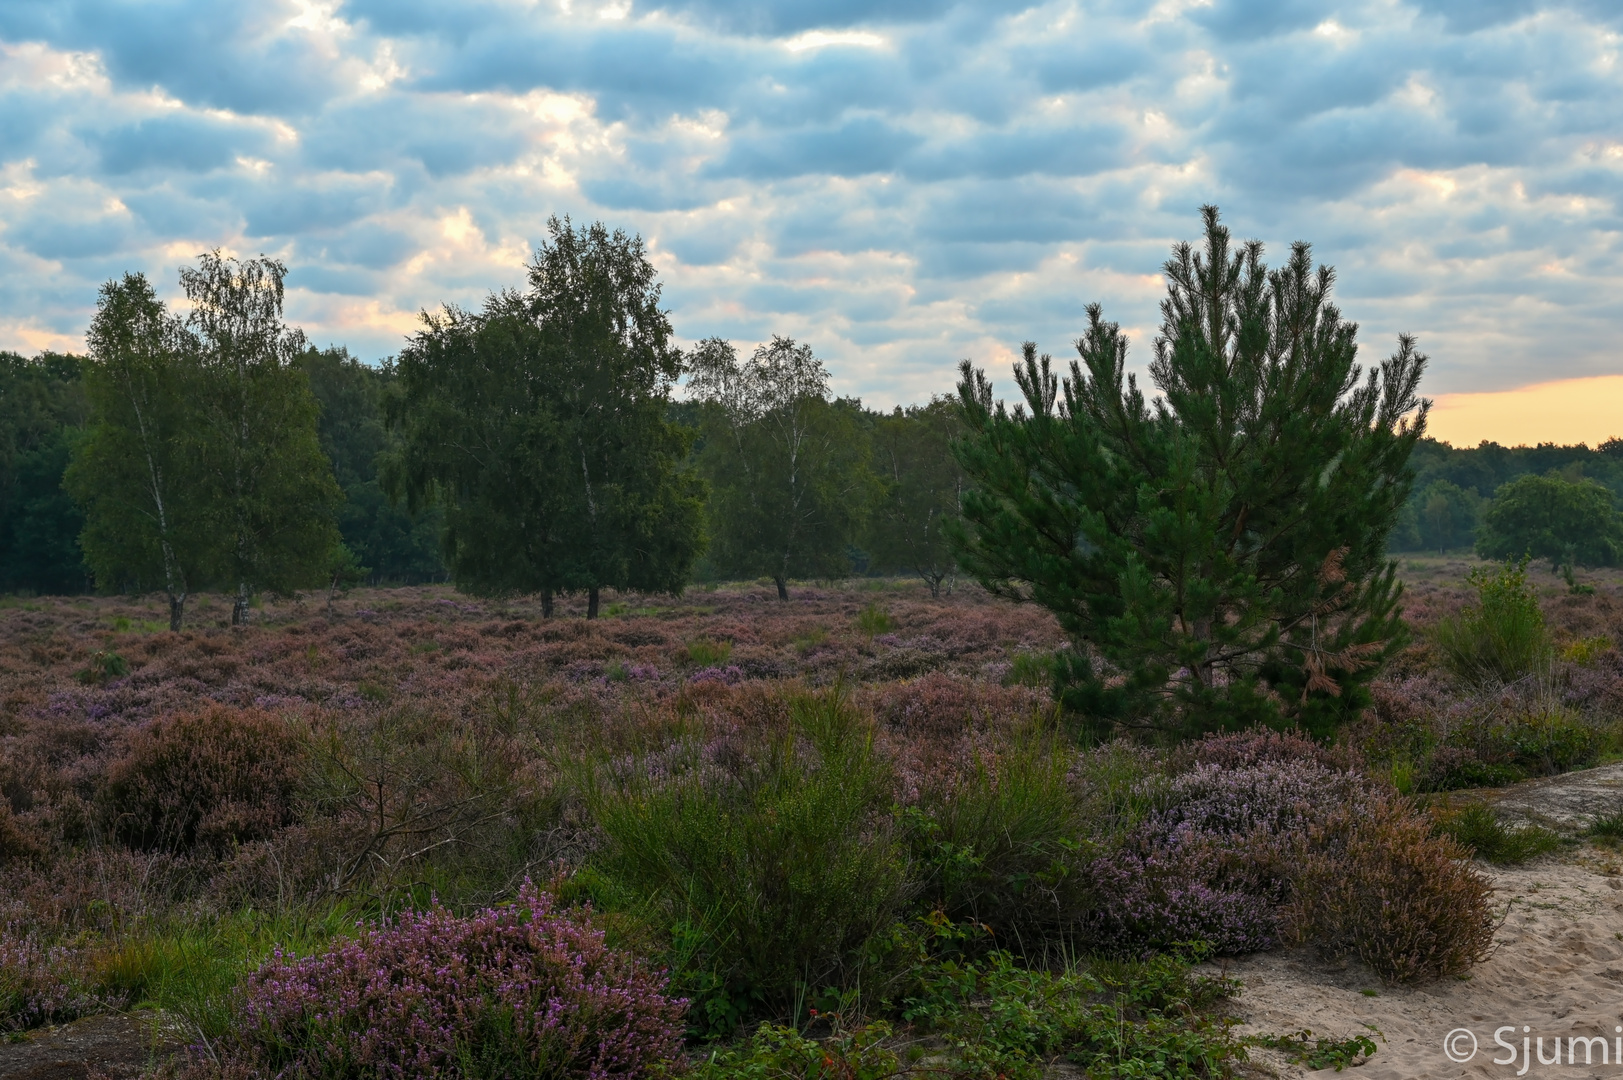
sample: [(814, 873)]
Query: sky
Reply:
[(898, 183)]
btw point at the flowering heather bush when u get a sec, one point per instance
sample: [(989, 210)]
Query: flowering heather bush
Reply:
[(37, 984), (211, 778), (513, 992), (1213, 861)]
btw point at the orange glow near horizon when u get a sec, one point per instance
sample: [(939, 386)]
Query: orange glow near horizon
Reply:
[(1566, 412)]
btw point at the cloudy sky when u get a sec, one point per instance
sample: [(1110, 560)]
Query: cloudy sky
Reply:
[(900, 183)]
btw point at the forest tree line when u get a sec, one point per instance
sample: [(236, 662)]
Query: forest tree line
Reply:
[(539, 445)]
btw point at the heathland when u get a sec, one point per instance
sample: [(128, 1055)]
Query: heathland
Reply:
[(847, 834)]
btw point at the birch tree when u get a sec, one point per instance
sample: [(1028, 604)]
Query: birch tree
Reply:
[(138, 471), (787, 466), (271, 492), (540, 422)]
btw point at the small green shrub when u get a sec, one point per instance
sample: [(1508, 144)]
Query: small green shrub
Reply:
[(1477, 827), (782, 1053), (810, 639), (1585, 651), (1001, 846), (105, 666), (1030, 669), (703, 652), (874, 620), (1321, 1052), (1607, 826), (769, 869), (1143, 1019), (616, 671), (1502, 637)]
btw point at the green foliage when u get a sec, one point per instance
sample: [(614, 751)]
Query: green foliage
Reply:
[(1502, 637), (140, 473), (1322, 1052), (1119, 1019), (1001, 848), (392, 544), (783, 1053), (540, 422), (1477, 827), (1034, 669), (269, 488), (922, 482), (707, 653), (1548, 517), (1447, 515), (105, 665), (788, 467), (1219, 558), (770, 878), (1608, 826), (43, 410), (872, 620)]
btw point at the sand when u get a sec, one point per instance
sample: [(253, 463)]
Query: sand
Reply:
[(1557, 969)]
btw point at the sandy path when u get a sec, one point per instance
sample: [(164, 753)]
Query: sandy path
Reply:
[(1558, 969)]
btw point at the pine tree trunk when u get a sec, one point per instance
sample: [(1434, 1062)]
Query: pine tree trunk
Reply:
[(239, 606), (591, 602), (177, 611), (783, 589), (546, 603)]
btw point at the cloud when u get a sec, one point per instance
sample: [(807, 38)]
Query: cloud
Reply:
[(900, 182)]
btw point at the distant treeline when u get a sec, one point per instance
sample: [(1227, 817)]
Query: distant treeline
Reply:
[(537, 446), (1548, 501)]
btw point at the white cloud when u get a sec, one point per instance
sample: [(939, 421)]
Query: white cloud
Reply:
[(900, 182)]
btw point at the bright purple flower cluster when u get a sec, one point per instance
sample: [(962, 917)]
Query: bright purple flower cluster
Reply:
[(519, 991)]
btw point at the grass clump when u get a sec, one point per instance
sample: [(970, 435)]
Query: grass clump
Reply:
[(1477, 827), (873, 620), (704, 653), (769, 868), (1034, 669), (1502, 637)]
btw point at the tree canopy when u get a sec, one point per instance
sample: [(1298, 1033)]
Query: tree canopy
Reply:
[(202, 465), (788, 466), (540, 422), (1217, 556), (1548, 517)]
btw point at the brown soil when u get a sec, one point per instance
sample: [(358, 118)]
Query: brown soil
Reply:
[(110, 1047)]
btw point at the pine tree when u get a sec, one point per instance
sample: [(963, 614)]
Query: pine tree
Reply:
[(1217, 556)]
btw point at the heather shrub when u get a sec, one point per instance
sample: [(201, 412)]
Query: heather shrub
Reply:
[(210, 779), (1375, 882), (1210, 861), (510, 992), (38, 984), (1500, 638), (769, 867)]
